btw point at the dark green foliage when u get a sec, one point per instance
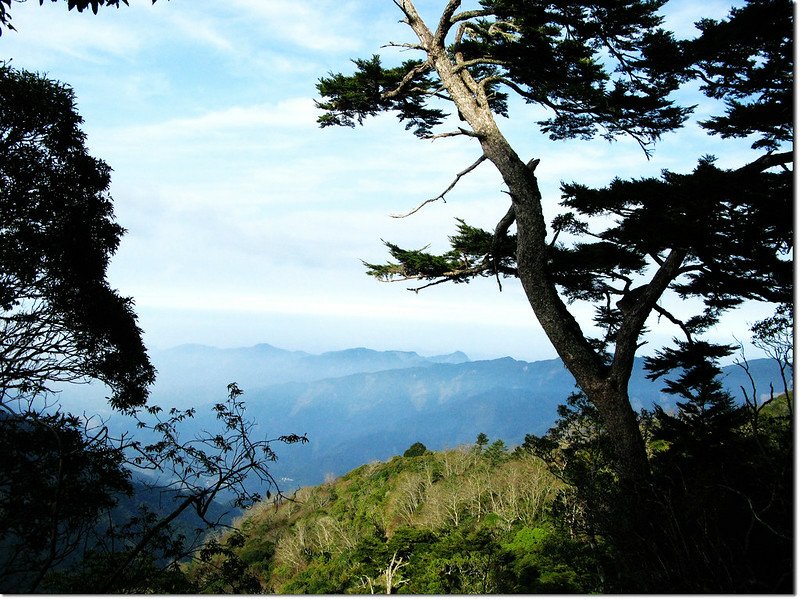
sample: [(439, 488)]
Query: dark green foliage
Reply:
[(573, 42), (60, 319), (54, 484), (718, 517), (544, 560), (61, 529), (724, 508), (497, 452), (707, 413), (417, 449), (417, 263), (747, 61), (369, 92), (475, 252), (732, 224), (114, 565), (231, 573), (570, 42), (578, 451)]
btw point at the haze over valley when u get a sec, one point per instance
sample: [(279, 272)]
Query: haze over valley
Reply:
[(359, 405)]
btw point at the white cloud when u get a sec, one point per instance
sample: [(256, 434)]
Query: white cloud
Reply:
[(289, 112), (50, 32), (201, 28), (314, 26), (241, 211)]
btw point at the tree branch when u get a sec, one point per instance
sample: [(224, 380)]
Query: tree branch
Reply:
[(767, 161), (404, 45), (478, 61), (445, 22), (467, 170), (470, 14), (408, 78), (666, 314), (500, 231), (636, 316), (450, 134)]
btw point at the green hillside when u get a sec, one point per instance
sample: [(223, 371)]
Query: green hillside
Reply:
[(484, 519), (467, 520)]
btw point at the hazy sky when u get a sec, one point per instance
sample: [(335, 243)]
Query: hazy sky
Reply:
[(247, 223)]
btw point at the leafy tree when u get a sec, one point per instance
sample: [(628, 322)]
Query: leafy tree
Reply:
[(724, 236), (59, 318), (57, 475), (707, 413), (497, 452), (724, 490), (416, 449), (578, 450), (61, 322), (63, 473)]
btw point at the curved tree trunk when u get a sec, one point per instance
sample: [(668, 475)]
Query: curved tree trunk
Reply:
[(605, 386)]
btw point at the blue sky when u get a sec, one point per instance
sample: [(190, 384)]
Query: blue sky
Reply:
[(247, 223)]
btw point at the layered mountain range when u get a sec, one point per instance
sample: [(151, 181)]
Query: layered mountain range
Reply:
[(360, 405)]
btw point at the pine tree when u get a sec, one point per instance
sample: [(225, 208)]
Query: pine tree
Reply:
[(610, 70)]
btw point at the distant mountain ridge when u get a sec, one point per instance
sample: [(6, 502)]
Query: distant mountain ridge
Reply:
[(359, 405), (211, 368)]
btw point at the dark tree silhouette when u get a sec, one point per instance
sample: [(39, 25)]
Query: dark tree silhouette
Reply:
[(59, 318)]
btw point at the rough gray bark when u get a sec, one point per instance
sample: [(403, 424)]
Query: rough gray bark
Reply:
[(606, 386)]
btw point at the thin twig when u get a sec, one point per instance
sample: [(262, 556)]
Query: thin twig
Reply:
[(467, 170)]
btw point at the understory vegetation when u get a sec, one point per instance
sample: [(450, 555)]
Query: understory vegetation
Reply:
[(541, 518)]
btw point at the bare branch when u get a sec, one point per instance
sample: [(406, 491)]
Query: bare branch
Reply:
[(756, 515), (452, 134), (437, 282), (470, 14), (407, 46), (408, 78), (445, 22), (416, 23), (467, 170), (478, 61), (666, 314)]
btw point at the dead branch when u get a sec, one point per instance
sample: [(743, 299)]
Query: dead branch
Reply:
[(675, 321), (406, 46), (467, 170), (457, 133)]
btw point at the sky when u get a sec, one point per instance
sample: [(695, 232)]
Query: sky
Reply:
[(247, 223)]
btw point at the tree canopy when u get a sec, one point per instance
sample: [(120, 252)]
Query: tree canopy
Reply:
[(61, 321)]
